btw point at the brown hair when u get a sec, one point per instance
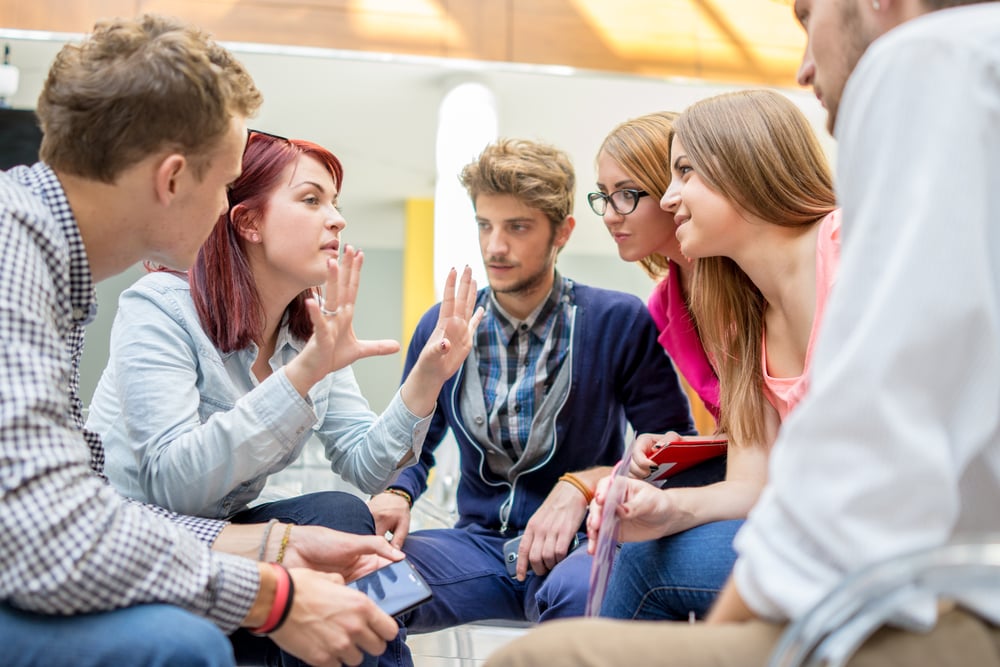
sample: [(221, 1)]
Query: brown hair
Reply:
[(641, 147), (539, 175), (135, 87), (757, 149)]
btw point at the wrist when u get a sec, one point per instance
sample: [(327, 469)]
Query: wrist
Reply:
[(401, 494), (580, 485), (277, 543), (281, 601)]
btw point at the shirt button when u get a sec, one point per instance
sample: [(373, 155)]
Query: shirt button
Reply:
[(479, 420), (524, 326), (78, 313), (517, 408)]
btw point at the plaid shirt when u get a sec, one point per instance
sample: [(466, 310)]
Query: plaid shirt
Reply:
[(519, 360), (71, 544)]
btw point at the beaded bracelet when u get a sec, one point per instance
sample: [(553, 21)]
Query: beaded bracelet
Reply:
[(283, 593), (284, 543), (588, 495)]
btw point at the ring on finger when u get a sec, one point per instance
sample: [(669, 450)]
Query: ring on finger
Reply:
[(329, 313)]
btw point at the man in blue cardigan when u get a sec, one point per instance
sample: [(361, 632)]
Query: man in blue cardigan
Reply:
[(539, 409)]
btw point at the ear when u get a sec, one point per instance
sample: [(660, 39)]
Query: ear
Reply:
[(245, 223), (564, 231), (167, 177)]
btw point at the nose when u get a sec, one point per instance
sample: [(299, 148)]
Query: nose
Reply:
[(496, 244), (335, 220), (807, 70), (611, 216), (671, 199)]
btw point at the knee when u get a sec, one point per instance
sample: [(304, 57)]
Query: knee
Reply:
[(172, 636), (339, 511)]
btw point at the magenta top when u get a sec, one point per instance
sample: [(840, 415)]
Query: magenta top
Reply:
[(785, 393), (680, 339)]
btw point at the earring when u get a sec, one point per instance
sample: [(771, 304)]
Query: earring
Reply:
[(255, 237), (876, 5)]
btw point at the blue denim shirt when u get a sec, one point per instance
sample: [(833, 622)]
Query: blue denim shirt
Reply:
[(191, 429)]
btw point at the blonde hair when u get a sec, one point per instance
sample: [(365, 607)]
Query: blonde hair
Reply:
[(758, 150), (539, 175), (135, 87), (641, 147)]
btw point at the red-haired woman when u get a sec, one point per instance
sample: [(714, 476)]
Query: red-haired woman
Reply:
[(217, 379)]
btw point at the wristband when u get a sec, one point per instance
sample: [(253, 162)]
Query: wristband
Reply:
[(281, 605), (263, 540), (402, 494), (588, 495)]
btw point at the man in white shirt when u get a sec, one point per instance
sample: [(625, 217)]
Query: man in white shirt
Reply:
[(897, 446)]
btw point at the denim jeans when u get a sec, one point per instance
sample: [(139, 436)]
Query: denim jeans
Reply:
[(151, 635), (670, 577), (465, 570), (333, 509)]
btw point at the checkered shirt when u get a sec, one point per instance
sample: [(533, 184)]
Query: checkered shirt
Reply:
[(70, 543), (518, 361)]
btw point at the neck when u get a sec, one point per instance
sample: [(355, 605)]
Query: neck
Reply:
[(781, 264), (522, 302), (110, 236)]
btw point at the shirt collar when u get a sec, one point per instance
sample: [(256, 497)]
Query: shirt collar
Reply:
[(540, 319), (83, 298)]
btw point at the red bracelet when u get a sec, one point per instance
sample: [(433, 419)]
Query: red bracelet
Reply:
[(279, 608)]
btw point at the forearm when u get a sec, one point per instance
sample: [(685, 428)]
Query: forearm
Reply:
[(366, 449), (420, 390), (729, 607), (192, 468)]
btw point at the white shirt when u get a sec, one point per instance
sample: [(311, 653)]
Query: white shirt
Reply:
[(897, 445)]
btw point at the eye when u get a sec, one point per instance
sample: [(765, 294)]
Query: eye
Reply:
[(312, 200), (685, 169)]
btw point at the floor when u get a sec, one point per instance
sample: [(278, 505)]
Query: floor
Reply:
[(464, 646)]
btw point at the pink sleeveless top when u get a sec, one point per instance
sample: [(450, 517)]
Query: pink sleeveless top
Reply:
[(785, 393)]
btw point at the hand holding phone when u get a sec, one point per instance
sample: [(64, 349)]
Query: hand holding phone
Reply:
[(396, 588), (677, 455)]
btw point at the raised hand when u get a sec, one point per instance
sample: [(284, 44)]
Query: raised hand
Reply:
[(334, 344), (448, 345)]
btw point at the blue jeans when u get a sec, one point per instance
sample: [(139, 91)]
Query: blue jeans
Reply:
[(672, 576), (332, 509), (151, 635), (465, 570)]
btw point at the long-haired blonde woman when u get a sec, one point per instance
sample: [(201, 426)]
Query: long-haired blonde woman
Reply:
[(752, 198)]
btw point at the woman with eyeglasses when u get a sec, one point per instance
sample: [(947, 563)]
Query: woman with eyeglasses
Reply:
[(751, 197), (219, 377), (633, 173)]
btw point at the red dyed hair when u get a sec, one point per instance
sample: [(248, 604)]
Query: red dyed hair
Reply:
[(222, 284)]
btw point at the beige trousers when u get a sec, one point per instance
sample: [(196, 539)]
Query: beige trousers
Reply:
[(958, 640)]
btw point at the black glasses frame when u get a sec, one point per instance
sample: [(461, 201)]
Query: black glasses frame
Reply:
[(599, 200)]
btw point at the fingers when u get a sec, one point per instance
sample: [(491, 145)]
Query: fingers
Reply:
[(476, 319), (466, 297), (448, 298), (524, 554), (377, 348)]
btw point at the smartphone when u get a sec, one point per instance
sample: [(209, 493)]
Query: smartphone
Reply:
[(396, 588), (510, 548), (677, 455)]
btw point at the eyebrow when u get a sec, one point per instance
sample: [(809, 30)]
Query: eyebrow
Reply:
[(309, 183), (677, 160)]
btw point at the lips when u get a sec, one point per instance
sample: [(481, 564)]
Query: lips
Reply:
[(332, 246)]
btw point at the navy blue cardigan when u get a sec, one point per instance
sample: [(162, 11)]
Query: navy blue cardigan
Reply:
[(620, 372)]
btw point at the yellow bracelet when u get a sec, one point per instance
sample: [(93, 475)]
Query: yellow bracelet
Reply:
[(402, 494), (588, 495), (284, 544)]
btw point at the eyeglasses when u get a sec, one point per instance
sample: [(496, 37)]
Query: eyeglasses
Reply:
[(251, 132), (622, 201)]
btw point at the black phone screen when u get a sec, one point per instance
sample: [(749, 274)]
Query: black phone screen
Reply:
[(395, 588)]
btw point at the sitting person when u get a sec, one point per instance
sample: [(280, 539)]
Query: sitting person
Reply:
[(765, 264), (633, 174), (144, 125), (539, 409), (896, 448), (218, 378)]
